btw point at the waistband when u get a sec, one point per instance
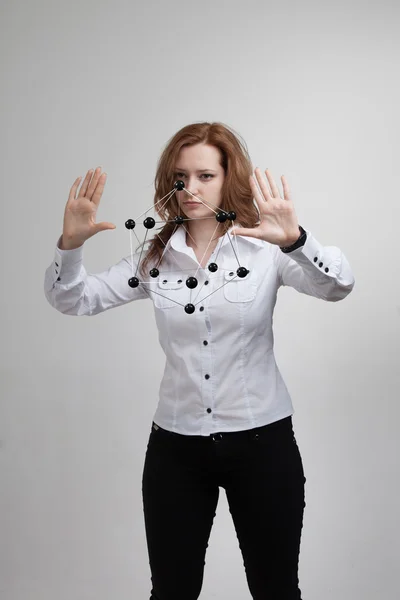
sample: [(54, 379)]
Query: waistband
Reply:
[(281, 425)]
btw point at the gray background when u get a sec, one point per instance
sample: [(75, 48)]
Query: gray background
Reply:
[(313, 89)]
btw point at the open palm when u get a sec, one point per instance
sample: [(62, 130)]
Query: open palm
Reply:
[(81, 208), (278, 221)]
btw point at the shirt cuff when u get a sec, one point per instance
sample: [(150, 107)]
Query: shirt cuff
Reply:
[(301, 240), (67, 264)]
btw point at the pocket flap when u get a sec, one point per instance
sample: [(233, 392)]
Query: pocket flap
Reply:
[(170, 283)]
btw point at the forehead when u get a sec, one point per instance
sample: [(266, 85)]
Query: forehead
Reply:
[(199, 156)]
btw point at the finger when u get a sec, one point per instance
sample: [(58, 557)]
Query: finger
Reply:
[(74, 190), (82, 191), (246, 231), (263, 185), (99, 189), (286, 190), (256, 191), (257, 195), (274, 187), (104, 226), (93, 183)]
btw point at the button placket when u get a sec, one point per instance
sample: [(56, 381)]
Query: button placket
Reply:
[(208, 391), (208, 396)]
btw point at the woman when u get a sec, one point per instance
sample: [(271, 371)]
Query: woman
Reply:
[(224, 417)]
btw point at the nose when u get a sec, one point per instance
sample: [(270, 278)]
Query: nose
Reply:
[(192, 186)]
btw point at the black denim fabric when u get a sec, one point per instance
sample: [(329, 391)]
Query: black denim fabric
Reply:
[(261, 471)]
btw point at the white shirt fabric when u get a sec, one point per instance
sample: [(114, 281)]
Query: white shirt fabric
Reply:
[(220, 372)]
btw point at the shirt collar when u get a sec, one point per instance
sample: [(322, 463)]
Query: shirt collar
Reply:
[(178, 239)]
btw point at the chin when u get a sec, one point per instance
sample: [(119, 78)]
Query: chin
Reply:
[(196, 212)]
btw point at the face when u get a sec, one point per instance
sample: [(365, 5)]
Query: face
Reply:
[(198, 167)]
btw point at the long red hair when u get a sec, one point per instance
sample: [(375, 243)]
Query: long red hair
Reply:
[(236, 193)]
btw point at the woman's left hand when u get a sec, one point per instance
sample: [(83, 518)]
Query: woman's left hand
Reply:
[(278, 221)]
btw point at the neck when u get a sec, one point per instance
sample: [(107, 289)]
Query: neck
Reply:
[(201, 233)]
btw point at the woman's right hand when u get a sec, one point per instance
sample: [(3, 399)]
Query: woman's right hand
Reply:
[(81, 208)]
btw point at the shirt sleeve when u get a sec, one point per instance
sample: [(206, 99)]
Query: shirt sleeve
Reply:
[(72, 291), (316, 270)]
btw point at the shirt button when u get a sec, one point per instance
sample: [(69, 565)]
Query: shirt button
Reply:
[(205, 343), (209, 410), (207, 376), (201, 308)]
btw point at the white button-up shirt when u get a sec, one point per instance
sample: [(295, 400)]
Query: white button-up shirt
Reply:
[(220, 372)]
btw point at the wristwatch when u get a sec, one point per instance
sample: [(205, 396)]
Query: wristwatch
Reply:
[(298, 243)]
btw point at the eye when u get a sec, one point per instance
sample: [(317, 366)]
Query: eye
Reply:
[(207, 175)]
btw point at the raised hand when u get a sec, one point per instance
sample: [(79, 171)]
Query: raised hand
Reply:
[(81, 208), (278, 221)]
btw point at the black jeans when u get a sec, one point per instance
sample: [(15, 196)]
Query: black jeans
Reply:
[(262, 473)]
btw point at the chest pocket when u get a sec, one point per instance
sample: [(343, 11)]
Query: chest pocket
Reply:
[(170, 290), (240, 289)]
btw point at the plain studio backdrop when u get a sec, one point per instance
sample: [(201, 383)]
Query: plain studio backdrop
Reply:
[(313, 89)]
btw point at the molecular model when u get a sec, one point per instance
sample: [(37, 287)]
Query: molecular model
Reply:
[(149, 223)]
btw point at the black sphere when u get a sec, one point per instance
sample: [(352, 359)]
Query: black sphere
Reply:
[(179, 220), (242, 272), (189, 309), (221, 217), (232, 215), (133, 282), (130, 224), (149, 223), (191, 282), (213, 267), (154, 272), (179, 184)]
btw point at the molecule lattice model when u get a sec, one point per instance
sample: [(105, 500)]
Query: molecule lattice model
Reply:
[(149, 223)]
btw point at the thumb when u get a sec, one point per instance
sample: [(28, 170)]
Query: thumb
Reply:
[(244, 231), (103, 226)]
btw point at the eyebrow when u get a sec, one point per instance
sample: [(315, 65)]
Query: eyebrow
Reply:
[(198, 170)]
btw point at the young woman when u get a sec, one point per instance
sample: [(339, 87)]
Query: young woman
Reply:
[(224, 416)]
